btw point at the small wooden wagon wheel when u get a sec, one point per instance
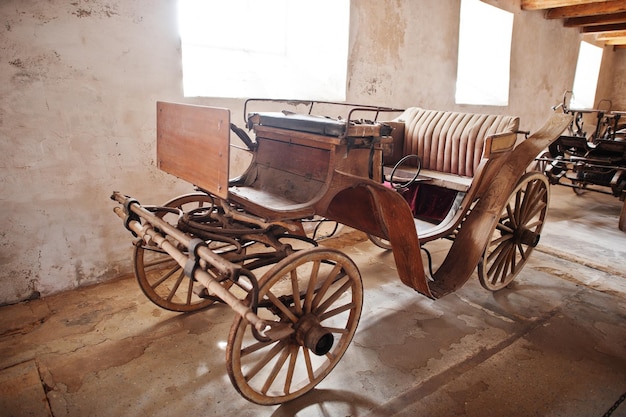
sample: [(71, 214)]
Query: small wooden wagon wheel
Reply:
[(160, 277), (319, 293), (516, 234)]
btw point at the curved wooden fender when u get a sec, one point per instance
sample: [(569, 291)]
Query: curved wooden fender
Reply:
[(475, 231), (377, 210)]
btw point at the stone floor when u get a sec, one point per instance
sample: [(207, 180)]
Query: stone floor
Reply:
[(553, 344)]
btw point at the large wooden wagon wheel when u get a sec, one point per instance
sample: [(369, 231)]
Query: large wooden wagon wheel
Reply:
[(320, 294), (516, 234), (160, 277)]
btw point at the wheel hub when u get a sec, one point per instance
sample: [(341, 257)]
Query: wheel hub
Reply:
[(312, 335), (524, 236)]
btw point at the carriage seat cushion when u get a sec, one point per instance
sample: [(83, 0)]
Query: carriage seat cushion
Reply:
[(449, 142)]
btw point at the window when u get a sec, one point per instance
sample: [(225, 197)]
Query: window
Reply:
[(586, 77), (483, 69), (265, 48)]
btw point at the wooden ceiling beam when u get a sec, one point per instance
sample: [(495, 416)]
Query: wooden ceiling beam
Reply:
[(605, 36), (589, 9), (551, 4), (604, 19), (603, 28), (617, 42)]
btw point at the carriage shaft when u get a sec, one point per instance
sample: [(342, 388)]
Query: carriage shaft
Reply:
[(148, 233)]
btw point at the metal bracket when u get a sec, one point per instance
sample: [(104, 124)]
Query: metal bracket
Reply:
[(130, 215), (194, 260)]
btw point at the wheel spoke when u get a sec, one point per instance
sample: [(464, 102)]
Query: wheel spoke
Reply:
[(176, 285), (275, 370), (336, 311), (533, 196), (521, 211), (529, 200), (509, 263), (271, 354), (504, 228), (282, 307), (327, 283), (165, 277), (500, 259), (522, 252), (336, 330), (501, 244), (511, 214), (498, 265), (255, 347), (292, 366), (540, 206), (310, 292), (533, 225), (294, 291), (330, 300), (309, 365)]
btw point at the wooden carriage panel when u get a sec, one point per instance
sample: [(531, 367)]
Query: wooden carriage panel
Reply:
[(193, 143), (302, 161)]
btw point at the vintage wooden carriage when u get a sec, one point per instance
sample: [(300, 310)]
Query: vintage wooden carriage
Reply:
[(241, 240)]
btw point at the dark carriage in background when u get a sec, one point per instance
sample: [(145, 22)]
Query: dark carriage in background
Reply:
[(590, 159)]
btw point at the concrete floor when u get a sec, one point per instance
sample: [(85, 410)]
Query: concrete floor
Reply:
[(553, 344)]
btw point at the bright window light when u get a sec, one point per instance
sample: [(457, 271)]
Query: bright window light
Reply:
[(485, 34), (586, 78), (265, 48)]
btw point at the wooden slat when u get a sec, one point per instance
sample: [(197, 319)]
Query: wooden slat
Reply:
[(193, 143), (302, 161), (300, 138), (603, 28), (603, 19), (611, 35), (550, 4), (580, 10)]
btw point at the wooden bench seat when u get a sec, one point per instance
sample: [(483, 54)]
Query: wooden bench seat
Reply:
[(262, 202), (441, 179), (453, 148)]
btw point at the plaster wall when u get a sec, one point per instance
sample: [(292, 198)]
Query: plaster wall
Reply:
[(78, 86)]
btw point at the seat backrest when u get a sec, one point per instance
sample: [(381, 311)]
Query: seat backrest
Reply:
[(193, 143), (451, 142)]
